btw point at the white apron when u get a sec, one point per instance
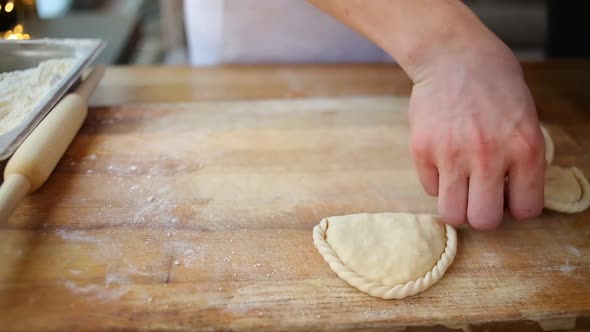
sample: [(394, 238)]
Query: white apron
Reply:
[(271, 31)]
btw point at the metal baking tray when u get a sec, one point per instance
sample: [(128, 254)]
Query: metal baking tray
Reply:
[(24, 54)]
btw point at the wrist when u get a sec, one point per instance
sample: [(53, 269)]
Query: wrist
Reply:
[(465, 58), (466, 43)]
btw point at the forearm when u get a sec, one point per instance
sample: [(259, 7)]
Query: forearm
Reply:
[(417, 33)]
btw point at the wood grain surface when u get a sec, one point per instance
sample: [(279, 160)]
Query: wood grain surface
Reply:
[(193, 210)]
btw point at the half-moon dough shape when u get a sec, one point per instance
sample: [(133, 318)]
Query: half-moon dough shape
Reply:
[(566, 190), (387, 255), (396, 255)]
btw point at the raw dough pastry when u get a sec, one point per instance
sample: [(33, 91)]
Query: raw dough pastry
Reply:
[(566, 190), (549, 146), (387, 255), (395, 255)]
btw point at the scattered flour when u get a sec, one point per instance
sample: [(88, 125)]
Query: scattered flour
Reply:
[(97, 292), (567, 269), (75, 272), (491, 259), (79, 236), (152, 213), (573, 251), (23, 90)]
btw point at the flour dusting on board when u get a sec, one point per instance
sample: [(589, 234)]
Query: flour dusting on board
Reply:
[(167, 221), (491, 258), (77, 236), (571, 250), (566, 269), (151, 214), (97, 292), (157, 204)]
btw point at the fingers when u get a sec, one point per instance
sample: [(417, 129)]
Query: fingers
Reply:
[(427, 171), (485, 208), (526, 194), (428, 174), (526, 176), (526, 190), (474, 178), (452, 201)]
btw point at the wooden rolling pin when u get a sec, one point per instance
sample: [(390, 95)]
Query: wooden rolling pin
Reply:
[(32, 163)]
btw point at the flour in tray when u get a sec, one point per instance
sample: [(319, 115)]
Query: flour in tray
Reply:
[(21, 91)]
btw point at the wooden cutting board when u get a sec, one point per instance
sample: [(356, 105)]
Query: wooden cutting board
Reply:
[(200, 215)]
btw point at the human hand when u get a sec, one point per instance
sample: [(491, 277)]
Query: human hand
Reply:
[(473, 123), (473, 119)]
